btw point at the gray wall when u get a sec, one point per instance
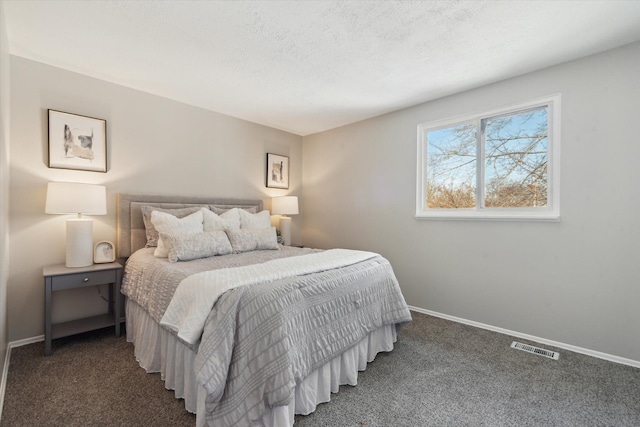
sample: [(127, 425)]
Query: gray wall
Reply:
[(4, 183), (575, 281), (154, 145)]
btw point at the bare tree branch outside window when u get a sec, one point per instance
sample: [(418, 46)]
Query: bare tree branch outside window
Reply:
[(515, 162)]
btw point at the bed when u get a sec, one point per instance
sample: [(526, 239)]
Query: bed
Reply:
[(303, 322)]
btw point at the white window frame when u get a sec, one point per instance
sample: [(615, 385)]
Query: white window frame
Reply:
[(547, 213)]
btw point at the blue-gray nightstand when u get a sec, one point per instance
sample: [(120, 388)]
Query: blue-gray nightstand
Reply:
[(59, 277)]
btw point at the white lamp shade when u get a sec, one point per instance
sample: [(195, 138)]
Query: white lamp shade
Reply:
[(76, 198), (285, 205)]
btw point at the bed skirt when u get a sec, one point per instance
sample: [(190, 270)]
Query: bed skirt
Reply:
[(157, 350)]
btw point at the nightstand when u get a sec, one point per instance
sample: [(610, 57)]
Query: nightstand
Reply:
[(59, 277)]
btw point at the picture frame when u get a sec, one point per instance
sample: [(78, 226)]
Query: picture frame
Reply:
[(104, 252), (277, 171), (77, 142)]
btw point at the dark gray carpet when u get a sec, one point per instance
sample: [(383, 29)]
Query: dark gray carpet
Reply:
[(441, 373)]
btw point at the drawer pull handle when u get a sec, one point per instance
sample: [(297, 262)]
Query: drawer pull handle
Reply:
[(86, 279)]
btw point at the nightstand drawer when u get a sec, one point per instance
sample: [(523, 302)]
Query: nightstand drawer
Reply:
[(83, 279)]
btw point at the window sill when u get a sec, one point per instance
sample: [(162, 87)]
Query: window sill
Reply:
[(488, 216)]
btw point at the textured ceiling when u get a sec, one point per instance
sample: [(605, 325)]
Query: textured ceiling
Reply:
[(310, 66)]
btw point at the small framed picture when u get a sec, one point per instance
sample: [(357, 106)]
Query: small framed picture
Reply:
[(277, 171), (77, 142), (104, 252)]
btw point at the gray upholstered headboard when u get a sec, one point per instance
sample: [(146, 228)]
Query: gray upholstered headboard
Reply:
[(131, 234)]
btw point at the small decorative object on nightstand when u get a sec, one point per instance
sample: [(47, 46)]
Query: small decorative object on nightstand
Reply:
[(59, 277), (104, 252)]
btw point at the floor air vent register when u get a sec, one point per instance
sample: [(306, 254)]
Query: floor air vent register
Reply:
[(535, 350)]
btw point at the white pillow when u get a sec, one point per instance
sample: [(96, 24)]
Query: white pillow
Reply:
[(228, 219), (167, 223), (252, 239), (152, 233), (185, 247), (258, 220)]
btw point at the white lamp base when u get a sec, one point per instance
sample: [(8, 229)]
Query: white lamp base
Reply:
[(79, 242), (285, 230)]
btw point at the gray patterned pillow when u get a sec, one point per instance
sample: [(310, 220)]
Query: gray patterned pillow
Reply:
[(220, 211), (152, 233), (252, 239), (185, 247)]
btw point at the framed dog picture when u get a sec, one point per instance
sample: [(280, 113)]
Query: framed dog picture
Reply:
[(77, 142), (277, 171)]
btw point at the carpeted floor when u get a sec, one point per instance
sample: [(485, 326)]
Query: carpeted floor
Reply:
[(440, 374)]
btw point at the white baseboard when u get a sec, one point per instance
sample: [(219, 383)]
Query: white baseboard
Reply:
[(7, 360), (3, 383), (575, 349), (26, 341)]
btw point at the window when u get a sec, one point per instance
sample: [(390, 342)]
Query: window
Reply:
[(499, 165)]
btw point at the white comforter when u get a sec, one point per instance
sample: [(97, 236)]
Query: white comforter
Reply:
[(196, 295)]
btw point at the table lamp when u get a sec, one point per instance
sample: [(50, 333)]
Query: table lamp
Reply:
[(76, 198), (285, 205)]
